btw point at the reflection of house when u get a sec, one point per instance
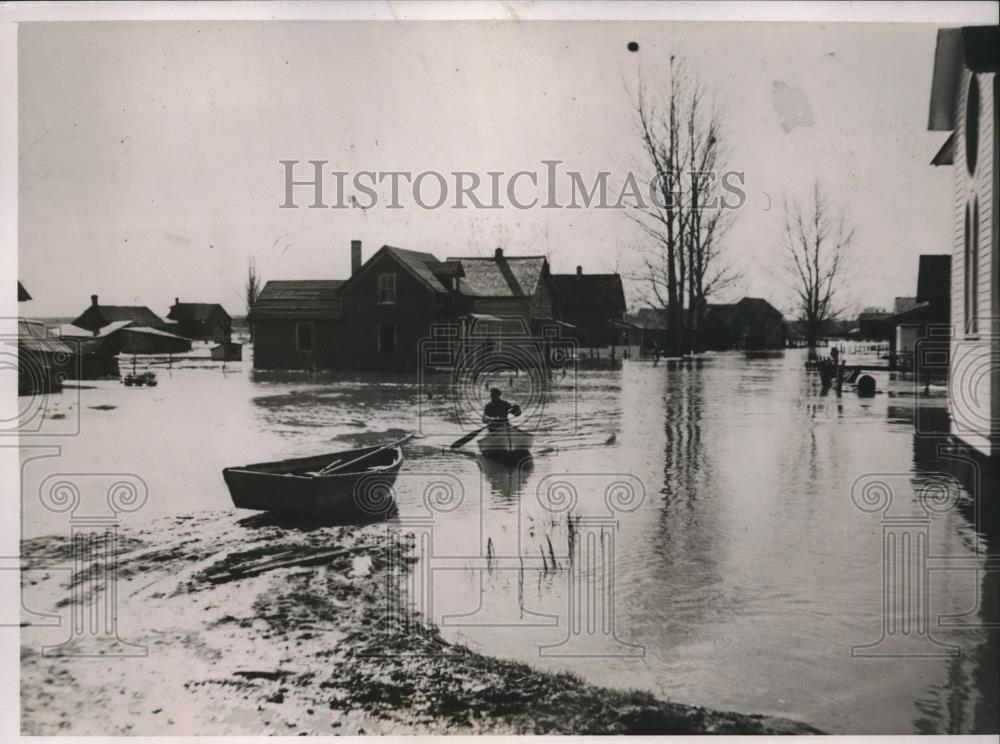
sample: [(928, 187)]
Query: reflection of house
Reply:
[(923, 322), (201, 321), (964, 103), (594, 304), (97, 316), (751, 324), (40, 356)]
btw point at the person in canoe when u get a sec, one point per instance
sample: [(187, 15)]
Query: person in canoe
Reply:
[(496, 412)]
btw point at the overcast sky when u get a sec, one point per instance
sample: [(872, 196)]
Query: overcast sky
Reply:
[(149, 151)]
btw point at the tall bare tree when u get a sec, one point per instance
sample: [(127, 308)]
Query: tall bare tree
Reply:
[(684, 265), (252, 289), (816, 239)]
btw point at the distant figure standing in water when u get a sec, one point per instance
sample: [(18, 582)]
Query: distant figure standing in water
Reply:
[(497, 410)]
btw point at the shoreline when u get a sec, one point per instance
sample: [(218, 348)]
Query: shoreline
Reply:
[(250, 626)]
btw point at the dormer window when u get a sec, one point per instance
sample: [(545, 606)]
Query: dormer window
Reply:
[(386, 289)]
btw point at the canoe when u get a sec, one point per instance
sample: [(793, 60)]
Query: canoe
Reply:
[(361, 491), (508, 444)]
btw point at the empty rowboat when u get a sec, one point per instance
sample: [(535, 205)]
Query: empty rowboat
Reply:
[(507, 444), (354, 485)]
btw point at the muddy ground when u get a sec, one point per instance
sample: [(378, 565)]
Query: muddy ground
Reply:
[(251, 627)]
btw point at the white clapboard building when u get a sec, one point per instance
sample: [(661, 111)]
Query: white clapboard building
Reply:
[(963, 102)]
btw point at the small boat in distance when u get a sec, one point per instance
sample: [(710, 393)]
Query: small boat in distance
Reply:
[(354, 485), (506, 443)]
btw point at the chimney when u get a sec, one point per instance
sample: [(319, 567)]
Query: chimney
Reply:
[(579, 271), (498, 253), (177, 300), (355, 256), (93, 300)]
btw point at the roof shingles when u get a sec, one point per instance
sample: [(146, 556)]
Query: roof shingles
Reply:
[(315, 299), (501, 276)]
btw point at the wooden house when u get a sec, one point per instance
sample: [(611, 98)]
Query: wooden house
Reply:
[(652, 330), (97, 316), (96, 352), (594, 305), (389, 306), (201, 321), (41, 358), (923, 322), (295, 324), (381, 316), (964, 93), (875, 325), (751, 324), (514, 288)]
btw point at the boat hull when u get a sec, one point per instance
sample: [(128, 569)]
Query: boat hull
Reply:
[(294, 487), (509, 444)]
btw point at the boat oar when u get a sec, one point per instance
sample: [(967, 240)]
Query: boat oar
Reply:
[(468, 438), (335, 466)]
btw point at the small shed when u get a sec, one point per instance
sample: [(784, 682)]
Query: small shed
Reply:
[(145, 340), (202, 321), (228, 351), (40, 358)]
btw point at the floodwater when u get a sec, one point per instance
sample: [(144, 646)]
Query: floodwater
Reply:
[(718, 557)]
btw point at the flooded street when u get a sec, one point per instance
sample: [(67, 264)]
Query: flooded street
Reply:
[(741, 569)]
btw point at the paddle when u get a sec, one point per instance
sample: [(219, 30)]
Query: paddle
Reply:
[(336, 465), (515, 410), (468, 438)]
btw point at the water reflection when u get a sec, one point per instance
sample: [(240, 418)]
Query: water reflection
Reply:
[(746, 572), (965, 700), (506, 481)]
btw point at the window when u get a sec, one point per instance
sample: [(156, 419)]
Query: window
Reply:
[(972, 125), (387, 338), (386, 289), (303, 337), (972, 267)]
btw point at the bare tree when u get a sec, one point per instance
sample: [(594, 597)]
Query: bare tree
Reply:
[(252, 289), (685, 264), (816, 238)]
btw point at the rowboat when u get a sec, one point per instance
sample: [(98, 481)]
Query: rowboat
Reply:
[(354, 485), (506, 443)]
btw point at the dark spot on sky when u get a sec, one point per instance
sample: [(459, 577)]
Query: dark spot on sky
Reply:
[(792, 106), (633, 46)]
